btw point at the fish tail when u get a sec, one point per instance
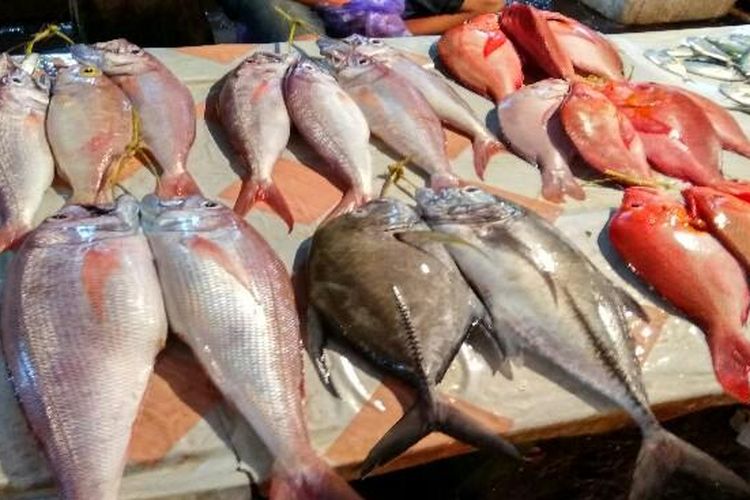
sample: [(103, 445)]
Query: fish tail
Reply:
[(730, 354), (253, 191), (351, 200), (313, 480), (485, 147), (443, 180), (557, 184), (177, 185), (11, 235), (663, 453), (433, 414)]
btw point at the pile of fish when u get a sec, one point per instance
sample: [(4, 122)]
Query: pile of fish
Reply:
[(497, 272), (373, 89), (91, 291)]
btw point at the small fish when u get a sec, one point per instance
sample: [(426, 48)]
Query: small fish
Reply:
[(741, 39), (712, 70), (705, 48), (738, 92), (731, 47), (681, 51), (744, 63), (551, 306), (667, 62), (82, 323), (333, 124)]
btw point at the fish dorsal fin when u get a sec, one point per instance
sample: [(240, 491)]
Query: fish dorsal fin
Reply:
[(412, 341)]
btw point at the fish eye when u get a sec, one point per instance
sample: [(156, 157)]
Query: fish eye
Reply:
[(135, 51), (376, 42), (209, 204), (471, 189), (16, 79), (58, 217), (363, 61), (89, 71)]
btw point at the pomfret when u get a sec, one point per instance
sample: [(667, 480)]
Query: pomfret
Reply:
[(82, 323), (398, 114), (335, 127), (450, 107), (89, 127), (164, 105), (230, 298), (26, 163), (552, 306), (368, 290), (253, 113), (530, 122)]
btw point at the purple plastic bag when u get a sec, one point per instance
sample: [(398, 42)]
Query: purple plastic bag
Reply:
[(373, 18)]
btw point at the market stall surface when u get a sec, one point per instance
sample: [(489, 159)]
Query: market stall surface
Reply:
[(187, 440)]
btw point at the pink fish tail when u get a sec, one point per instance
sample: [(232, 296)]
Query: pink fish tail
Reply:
[(254, 191), (730, 354), (556, 184), (485, 148), (312, 481), (351, 200), (178, 185), (443, 180)]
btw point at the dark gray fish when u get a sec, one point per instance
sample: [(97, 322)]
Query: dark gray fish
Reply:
[(553, 307), (370, 291)]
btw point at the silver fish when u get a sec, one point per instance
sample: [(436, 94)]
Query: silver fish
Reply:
[(398, 114), (705, 48), (450, 107), (82, 322), (739, 92), (229, 297), (744, 63), (681, 51), (666, 61), (334, 126), (741, 39), (712, 70), (26, 163), (551, 306), (732, 47)]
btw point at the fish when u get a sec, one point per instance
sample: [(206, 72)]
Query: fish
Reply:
[(529, 120), (26, 163), (82, 323), (450, 107), (712, 70), (554, 310), (589, 51), (398, 114), (731, 47), (738, 92), (665, 61), (165, 107), (744, 63), (531, 34), (603, 136), (678, 137), (6, 64), (229, 297), (729, 132), (377, 307), (252, 111), (681, 51), (481, 57), (741, 39), (335, 127), (705, 48), (90, 131), (726, 217), (655, 235)]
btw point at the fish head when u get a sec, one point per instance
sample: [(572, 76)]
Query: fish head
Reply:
[(649, 206), (485, 22), (550, 89), (381, 214), (264, 63), (115, 57), (191, 214), (711, 204), (84, 223), (77, 75), (25, 89), (355, 64), (468, 204), (309, 70)]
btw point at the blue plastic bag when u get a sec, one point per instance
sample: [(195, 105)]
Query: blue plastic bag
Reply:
[(373, 18)]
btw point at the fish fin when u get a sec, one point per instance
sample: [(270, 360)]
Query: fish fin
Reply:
[(629, 304), (419, 238), (556, 184), (311, 481), (480, 337), (730, 354), (739, 189), (484, 149), (253, 191), (663, 453), (351, 200), (98, 266), (177, 185), (443, 180), (12, 235), (316, 341), (425, 417)]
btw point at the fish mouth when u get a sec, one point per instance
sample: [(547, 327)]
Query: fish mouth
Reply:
[(87, 54), (194, 213)]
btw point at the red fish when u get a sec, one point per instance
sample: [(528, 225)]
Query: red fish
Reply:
[(587, 49), (659, 240), (727, 217), (604, 137), (530, 32), (481, 57)]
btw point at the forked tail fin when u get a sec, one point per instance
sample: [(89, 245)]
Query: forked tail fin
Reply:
[(663, 454), (254, 191), (558, 183), (485, 147), (351, 200), (730, 355), (177, 185)]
